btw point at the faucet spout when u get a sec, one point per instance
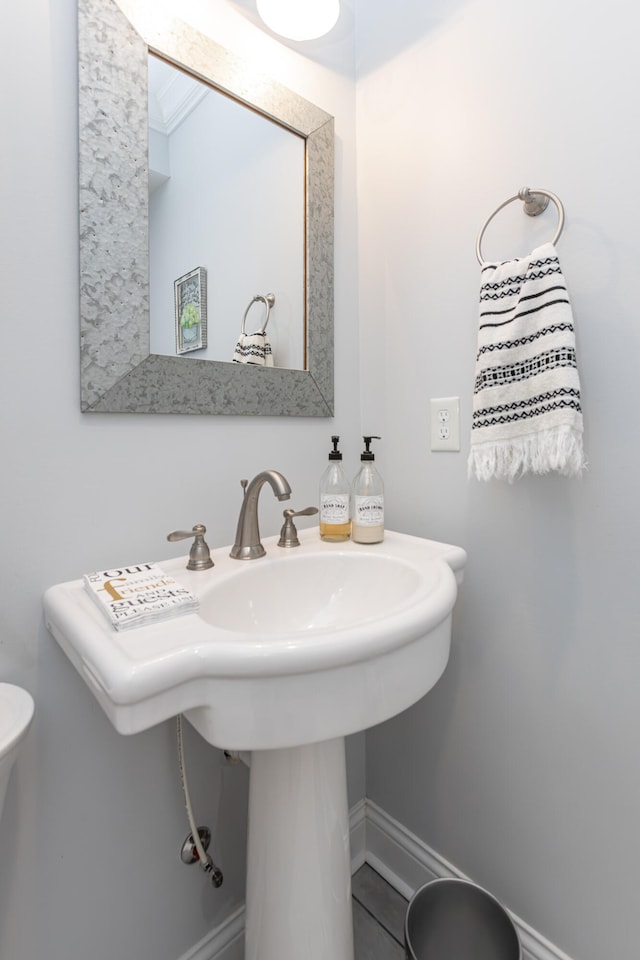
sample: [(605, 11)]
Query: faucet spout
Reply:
[(247, 544)]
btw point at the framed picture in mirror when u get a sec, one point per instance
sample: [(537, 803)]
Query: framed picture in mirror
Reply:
[(190, 296)]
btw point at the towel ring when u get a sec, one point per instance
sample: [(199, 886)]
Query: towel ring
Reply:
[(534, 201), (269, 301)]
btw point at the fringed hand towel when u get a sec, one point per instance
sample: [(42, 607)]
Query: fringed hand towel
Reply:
[(253, 348), (526, 404)]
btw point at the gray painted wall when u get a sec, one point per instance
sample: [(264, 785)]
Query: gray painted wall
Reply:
[(522, 766), (90, 838)]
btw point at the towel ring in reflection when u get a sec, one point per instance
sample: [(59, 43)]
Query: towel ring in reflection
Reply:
[(534, 201), (268, 301)]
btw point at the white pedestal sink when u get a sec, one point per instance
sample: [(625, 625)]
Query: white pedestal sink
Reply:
[(287, 655)]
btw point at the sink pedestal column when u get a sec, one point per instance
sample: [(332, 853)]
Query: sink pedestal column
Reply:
[(299, 862)]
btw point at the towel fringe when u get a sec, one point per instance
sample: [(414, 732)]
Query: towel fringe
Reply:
[(555, 448)]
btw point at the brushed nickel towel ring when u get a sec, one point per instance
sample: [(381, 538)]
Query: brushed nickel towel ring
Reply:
[(268, 301), (534, 202)]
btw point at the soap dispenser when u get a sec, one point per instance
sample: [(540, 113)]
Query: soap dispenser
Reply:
[(335, 525), (367, 500)]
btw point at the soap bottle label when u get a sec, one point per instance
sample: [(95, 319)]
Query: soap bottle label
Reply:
[(334, 508), (368, 511)]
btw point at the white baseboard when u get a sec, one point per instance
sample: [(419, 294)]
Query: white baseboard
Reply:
[(357, 834), (405, 861), (224, 942)]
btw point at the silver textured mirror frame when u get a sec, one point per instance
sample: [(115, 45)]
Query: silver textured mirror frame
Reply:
[(118, 372)]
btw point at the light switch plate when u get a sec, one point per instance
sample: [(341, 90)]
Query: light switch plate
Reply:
[(445, 424)]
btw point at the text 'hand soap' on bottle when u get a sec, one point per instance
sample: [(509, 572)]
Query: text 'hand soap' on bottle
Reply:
[(367, 500), (335, 525)]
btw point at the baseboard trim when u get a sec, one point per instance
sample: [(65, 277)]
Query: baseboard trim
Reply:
[(357, 834), (224, 942), (406, 862)]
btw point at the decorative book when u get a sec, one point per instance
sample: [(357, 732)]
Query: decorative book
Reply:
[(138, 595)]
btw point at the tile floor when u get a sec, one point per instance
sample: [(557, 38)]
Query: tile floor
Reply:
[(378, 917)]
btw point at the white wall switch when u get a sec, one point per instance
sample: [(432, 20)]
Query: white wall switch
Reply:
[(445, 423)]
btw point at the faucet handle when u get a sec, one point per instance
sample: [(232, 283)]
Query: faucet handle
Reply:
[(199, 556), (289, 534)]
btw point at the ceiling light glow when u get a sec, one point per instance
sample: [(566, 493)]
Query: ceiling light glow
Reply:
[(299, 19)]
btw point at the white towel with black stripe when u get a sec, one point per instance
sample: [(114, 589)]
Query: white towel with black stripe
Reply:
[(253, 348), (527, 416)]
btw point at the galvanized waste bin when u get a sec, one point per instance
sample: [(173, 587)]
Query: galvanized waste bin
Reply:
[(451, 919)]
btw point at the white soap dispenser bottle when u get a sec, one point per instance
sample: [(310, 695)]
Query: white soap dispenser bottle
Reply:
[(335, 525), (367, 500)]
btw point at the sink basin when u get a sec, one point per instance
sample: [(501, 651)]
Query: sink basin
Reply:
[(306, 595), (364, 628), (286, 656)]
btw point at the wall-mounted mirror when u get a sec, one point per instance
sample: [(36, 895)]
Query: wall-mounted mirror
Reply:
[(122, 367)]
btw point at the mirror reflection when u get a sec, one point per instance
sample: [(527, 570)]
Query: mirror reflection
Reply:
[(226, 226), (120, 372)]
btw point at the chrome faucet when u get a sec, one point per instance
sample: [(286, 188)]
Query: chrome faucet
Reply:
[(247, 545)]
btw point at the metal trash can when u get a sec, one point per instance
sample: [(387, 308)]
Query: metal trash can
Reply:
[(451, 919)]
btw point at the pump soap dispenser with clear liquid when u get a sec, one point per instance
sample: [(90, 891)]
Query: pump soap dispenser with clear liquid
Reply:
[(335, 525), (367, 500)]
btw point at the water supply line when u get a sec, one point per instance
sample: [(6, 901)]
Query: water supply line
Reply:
[(207, 864)]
